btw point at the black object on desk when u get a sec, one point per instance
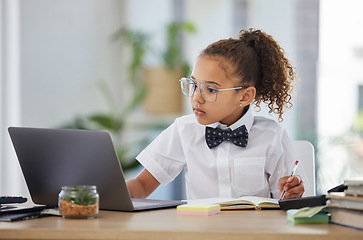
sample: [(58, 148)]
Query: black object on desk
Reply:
[(296, 203), (20, 216), (11, 213), (339, 188), (12, 199)]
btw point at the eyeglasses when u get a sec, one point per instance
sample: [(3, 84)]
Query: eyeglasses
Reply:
[(208, 91)]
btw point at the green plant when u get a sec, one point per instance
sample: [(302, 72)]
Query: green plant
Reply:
[(115, 120), (80, 196), (172, 57), (137, 41)]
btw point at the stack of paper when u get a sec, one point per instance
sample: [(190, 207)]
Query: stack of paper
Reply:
[(346, 210), (198, 209), (311, 215), (354, 187)]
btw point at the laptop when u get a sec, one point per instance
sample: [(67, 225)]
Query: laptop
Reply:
[(52, 158)]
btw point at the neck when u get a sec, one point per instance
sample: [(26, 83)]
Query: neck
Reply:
[(229, 122)]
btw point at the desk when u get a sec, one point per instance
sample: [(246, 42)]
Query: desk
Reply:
[(166, 224)]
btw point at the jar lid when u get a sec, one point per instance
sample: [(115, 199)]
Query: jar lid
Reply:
[(85, 187)]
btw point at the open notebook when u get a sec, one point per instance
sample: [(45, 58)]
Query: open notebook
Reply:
[(246, 202)]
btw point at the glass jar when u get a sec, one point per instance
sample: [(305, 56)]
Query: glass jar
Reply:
[(78, 201)]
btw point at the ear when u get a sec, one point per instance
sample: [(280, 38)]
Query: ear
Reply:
[(248, 95)]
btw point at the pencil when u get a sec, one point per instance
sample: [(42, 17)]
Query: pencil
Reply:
[(292, 173)]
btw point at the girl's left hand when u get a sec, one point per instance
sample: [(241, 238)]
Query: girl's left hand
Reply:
[(293, 186)]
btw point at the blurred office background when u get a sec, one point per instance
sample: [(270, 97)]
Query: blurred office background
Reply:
[(63, 61)]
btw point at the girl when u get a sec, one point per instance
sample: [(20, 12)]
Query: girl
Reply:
[(224, 149)]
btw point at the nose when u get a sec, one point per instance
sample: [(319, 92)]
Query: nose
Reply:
[(197, 96)]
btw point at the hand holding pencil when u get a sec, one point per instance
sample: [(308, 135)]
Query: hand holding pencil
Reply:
[(291, 186)]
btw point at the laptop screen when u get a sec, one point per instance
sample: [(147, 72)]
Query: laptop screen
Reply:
[(52, 158)]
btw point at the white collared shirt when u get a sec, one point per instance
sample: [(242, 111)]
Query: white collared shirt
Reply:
[(226, 170)]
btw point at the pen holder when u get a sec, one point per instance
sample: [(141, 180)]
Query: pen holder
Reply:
[(78, 201)]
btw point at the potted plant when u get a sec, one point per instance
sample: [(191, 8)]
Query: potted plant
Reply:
[(146, 84), (115, 120), (163, 95)]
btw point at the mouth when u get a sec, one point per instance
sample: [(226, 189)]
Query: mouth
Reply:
[(198, 112)]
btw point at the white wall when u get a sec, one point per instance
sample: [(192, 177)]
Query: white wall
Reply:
[(9, 95), (66, 50), (53, 55)]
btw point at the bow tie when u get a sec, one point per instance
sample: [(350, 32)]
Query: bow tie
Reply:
[(215, 136)]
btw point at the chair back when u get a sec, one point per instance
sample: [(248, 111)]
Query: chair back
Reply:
[(306, 156)]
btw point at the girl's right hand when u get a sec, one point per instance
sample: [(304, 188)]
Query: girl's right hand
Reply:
[(293, 186)]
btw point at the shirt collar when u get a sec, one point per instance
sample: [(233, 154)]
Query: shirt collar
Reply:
[(246, 119)]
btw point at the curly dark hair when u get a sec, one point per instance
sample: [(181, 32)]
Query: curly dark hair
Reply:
[(256, 59)]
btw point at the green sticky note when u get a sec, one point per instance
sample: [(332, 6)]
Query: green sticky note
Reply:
[(318, 218)]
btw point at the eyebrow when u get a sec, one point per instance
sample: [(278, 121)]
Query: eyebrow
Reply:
[(215, 83)]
